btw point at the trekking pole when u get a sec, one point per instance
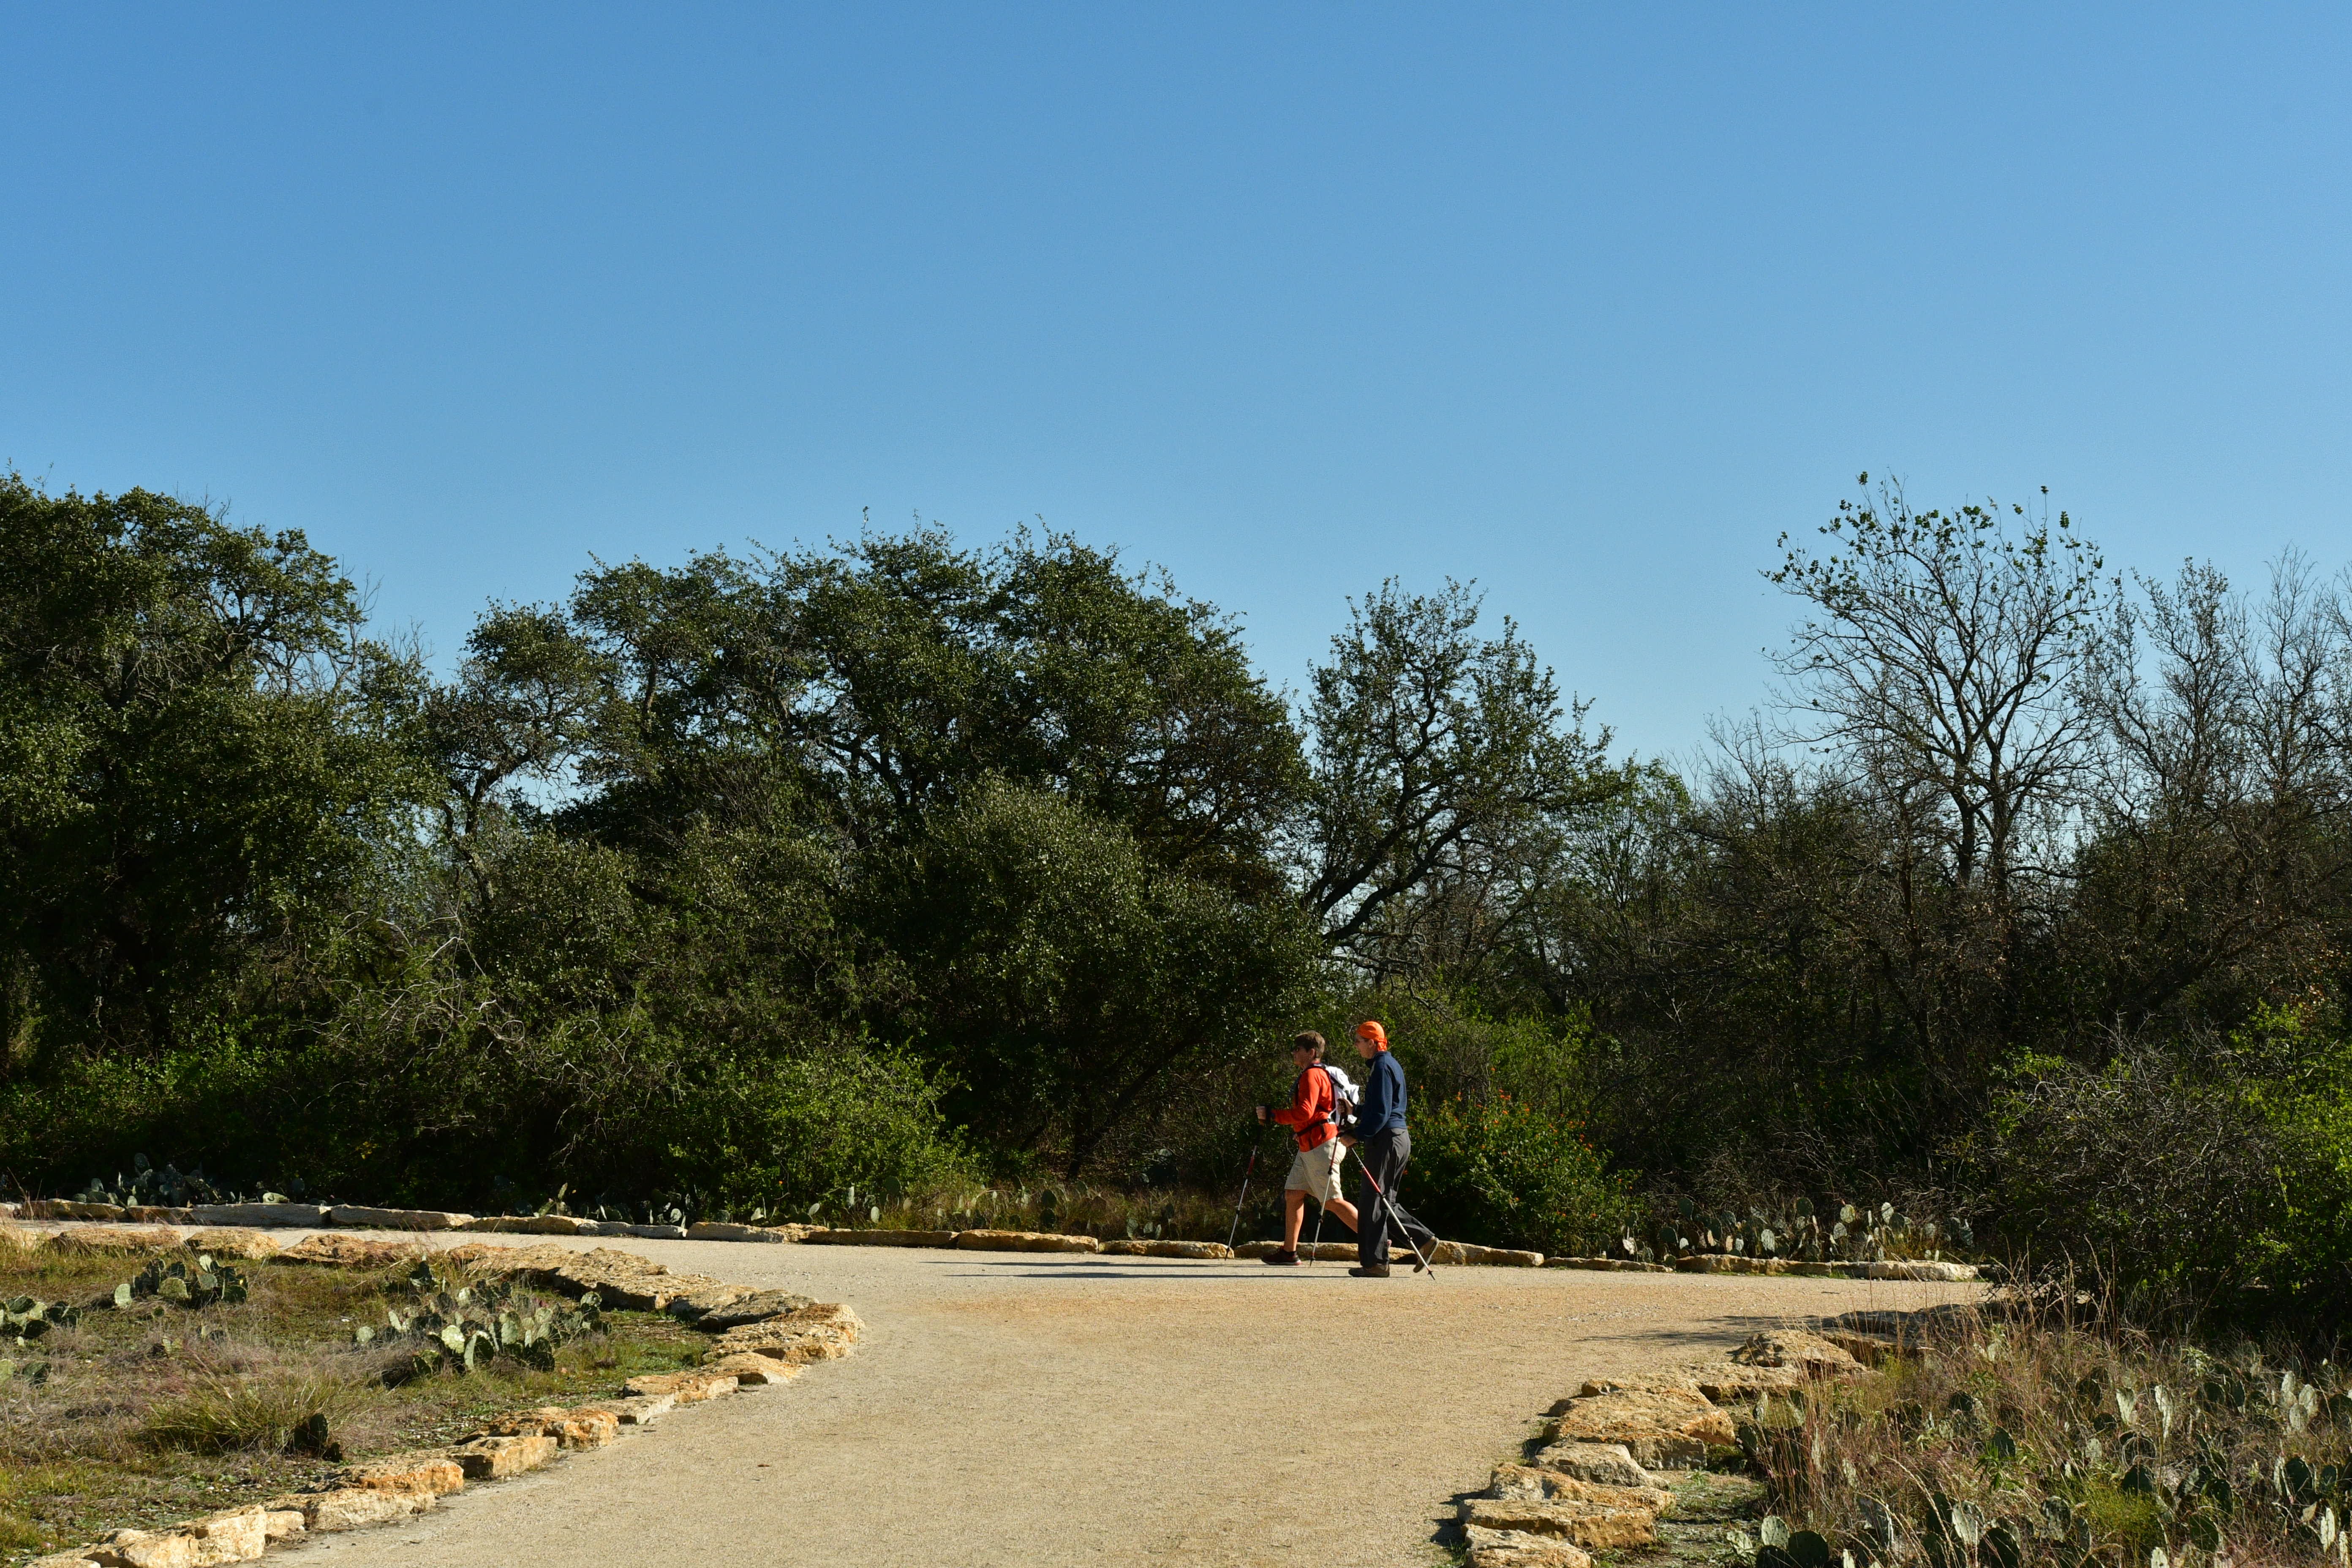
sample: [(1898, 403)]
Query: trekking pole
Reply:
[(1248, 1171), (1379, 1196)]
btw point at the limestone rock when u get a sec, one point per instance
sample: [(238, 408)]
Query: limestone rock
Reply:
[(419, 1470), (1603, 1463), (1312, 1252), (239, 1537), (303, 1215), (1519, 1549), (1195, 1249), (532, 1225), (65, 1208), (1729, 1382), (357, 1215), (1800, 1351), (359, 1508), (693, 1306), (1608, 1265), (1730, 1263), (825, 1331), (624, 1280), (631, 1410), (78, 1558), (1870, 1350), (621, 1279), (1588, 1525), (495, 1459), (818, 1237), (722, 1230), (1661, 1427), (1468, 1254), (1647, 1384), (156, 1214), (116, 1238), (752, 1307), (1948, 1273), (690, 1387), (240, 1242), (146, 1549), (284, 1523), (537, 1263), (1535, 1483), (1023, 1241), (333, 1251), (648, 1231), (587, 1427), (751, 1371)]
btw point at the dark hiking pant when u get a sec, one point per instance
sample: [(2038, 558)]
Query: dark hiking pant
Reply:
[(1384, 1156)]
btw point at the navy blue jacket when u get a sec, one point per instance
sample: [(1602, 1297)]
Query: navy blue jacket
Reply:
[(1382, 1109)]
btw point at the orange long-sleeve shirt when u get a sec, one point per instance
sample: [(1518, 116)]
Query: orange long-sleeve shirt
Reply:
[(1309, 1109)]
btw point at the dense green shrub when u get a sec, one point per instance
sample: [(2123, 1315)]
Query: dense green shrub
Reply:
[(1502, 1173), (2181, 1175)]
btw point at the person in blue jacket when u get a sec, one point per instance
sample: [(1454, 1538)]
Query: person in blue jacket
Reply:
[(1382, 1143)]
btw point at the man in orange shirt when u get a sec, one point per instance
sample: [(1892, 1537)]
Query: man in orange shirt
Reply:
[(1314, 1169)]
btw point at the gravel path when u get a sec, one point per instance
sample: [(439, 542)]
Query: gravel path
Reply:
[(1045, 1410)]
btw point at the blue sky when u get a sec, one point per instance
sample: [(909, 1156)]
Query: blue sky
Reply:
[(1587, 304)]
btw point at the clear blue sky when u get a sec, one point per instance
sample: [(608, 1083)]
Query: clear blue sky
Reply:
[(1587, 304)]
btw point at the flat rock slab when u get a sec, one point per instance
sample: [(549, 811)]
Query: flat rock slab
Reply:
[(420, 1470), (1661, 1427), (361, 1507), (277, 1215), (1520, 1549), (1536, 1483), (879, 1237), (752, 1307), (238, 1241), (360, 1216), (1588, 1525), (721, 1230), (1208, 1251), (1023, 1241), (333, 1251), (116, 1238), (495, 1458), (1604, 1464)]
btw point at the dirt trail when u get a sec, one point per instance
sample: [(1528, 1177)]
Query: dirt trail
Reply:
[(1045, 1410)]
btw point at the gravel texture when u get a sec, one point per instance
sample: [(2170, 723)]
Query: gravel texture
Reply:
[(1029, 1410)]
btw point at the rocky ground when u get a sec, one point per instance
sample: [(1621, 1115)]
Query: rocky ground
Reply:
[(1060, 1409), (1651, 1467)]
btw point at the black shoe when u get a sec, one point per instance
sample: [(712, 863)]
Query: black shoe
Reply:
[(1370, 1272), (1281, 1257)]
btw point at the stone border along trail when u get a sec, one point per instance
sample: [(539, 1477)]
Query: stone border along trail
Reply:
[(1623, 1462), (762, 1337), (1044, 1409)]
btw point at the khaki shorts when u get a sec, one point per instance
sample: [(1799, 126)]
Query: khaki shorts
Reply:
[(1315, 1172)]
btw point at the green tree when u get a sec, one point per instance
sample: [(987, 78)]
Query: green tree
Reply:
[(1445, 766), (1067, 983), (198, 747)]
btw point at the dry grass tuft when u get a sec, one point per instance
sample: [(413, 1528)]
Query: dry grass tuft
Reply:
[(269, 1414), (2003, 1442)]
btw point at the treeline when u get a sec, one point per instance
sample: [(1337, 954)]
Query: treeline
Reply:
[(898, 864)]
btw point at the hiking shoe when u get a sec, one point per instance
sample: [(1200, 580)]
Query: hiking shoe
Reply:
[(1281, 1259), (1370, 1272)]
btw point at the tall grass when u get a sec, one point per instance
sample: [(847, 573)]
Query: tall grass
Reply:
[(281, 1415), (2007, 1441)]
